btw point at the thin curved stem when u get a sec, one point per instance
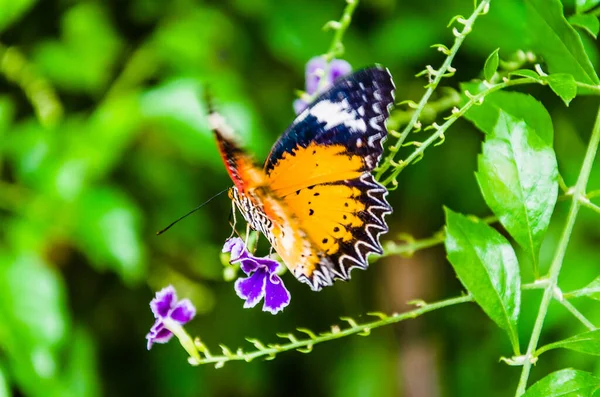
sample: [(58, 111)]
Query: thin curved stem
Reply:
[(305, 345), (569, 306), (439, 132), (578, 193), (431, 87)]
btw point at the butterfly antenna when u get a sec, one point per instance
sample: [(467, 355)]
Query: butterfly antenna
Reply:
[(191, 212)]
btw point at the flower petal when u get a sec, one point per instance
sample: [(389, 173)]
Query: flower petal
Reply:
[(337, 69), (183, 312), (252, 288), (299, 106), (234, 245), (314, 68), (158, 334), (164, 301), (276, 295)]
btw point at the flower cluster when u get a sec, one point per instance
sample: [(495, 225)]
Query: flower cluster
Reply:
[(319, 77), (167, 309), (262, 281)]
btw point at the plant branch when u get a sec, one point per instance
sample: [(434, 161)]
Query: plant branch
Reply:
[(569, 306), (305, 345), (411, 244), (587, 203), (337, 47), (594, 88), (578, 193), (417, 154), (437, 77)]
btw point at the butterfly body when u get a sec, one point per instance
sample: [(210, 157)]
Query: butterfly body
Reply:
[(315, 198)]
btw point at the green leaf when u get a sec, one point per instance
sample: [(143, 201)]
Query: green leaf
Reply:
[(84, 58), (108, 231), (564, 383), (563, 85), (491, 65), (592, 290), (33, 299), (587, 342), (518, 177), (526, 73), (557, 41), (585, 5), (519, 105), (487, 266), (34, 322), (12, 10), (587, 22)]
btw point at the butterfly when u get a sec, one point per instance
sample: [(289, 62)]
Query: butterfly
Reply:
[(315, 198)]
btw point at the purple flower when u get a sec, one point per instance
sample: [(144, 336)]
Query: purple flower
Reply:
[(262, 280), (166, 307), (316, 69)]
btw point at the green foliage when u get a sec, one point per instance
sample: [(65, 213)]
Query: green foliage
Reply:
[(518, 105), (491, 65), (517, 174), (587, 22), (104, 140), (588, 343), (12, 10), (592, 290), (563, 85), (565, 383), (487, 266), (585, 5), (558, 42)]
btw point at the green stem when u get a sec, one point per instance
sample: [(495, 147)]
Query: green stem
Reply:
[(587, 203), (578, 193), (307, 344), (185, 340), (429, 114), (569, 306), (594, 88), (439, 132), (438, 75), (337, 48)]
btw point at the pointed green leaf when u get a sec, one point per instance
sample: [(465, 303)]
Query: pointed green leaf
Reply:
[(557, 41), (526, 73), (587, 342), (563, 85), (585, 5), (491, 65), (587, 22), (518, 177), (519, 105), (487, 266), (592, 290), (564, 383)]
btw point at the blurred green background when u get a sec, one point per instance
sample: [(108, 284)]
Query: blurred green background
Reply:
[(104, 141)]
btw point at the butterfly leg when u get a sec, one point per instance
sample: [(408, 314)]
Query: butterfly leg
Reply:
[(248, 230), (232, 220)]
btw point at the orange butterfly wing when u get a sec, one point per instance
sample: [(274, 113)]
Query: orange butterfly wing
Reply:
[(316, 200), (321, 169)]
